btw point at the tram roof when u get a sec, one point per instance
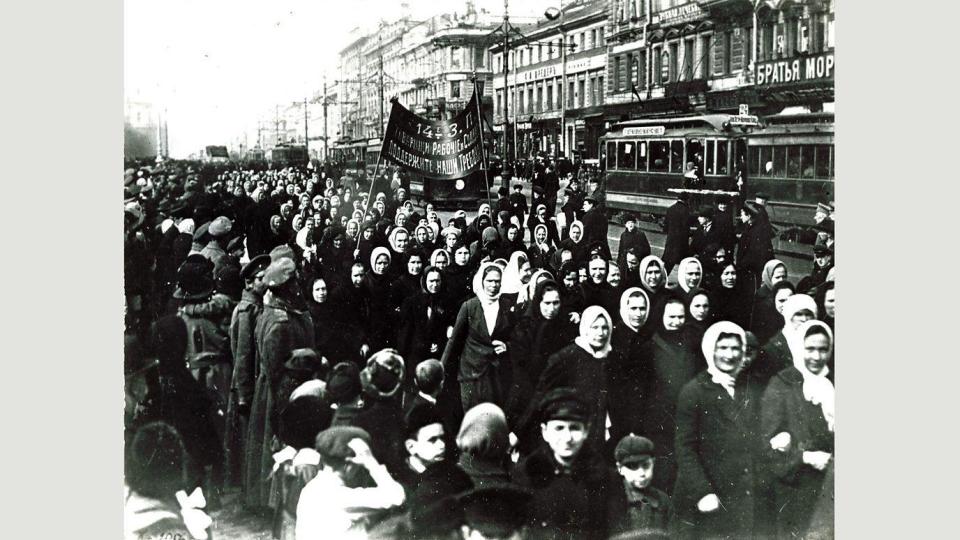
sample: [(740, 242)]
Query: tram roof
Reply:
[(713, 121)]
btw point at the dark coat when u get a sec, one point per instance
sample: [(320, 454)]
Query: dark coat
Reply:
[(595, 227), (626, 380), (383, 420), (754, 249), (647, 510), (797, 486), (717, 441), (723, 224), (381, 323), (774, 357), (281, 328), (418, 331), (676, 225), (469, 352), (703, 238), (635, 239), (566, 505), (243, 347)]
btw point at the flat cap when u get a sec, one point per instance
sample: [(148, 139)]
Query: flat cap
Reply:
[(496, 510), (221, 226), (333, 442), (563, 404), (279, 272), (256, 264), (633, 448)]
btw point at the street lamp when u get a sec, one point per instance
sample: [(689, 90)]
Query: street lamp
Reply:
[(552, 14)]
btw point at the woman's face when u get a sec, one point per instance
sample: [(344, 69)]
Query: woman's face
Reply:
[(433, 282), (721, 256), (550, 304), (451, 240), (541, 235), (691, 275), (422, 235), (381, 264), (598, 270), (334, 213), (441, 261), (613, 276), (673, 316), (414, 266), (461, 256), (800, 317), (512, 234), (728, 354), (337, 242), (700, 307), (352, 229), (779, 274), (525, 272), (781, 298), (728, 278), (401, 240), (597, 333), (379, 207), (570, 280), (297, 223), (367, 234), (653, 276), (830, 303), (575, 233), (491, 282), (401, 219), (636, 310), (816, 352), (319, 291)]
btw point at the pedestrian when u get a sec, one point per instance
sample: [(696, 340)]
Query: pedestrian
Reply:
[(575, 242), (716, 442), (689, 275), (626, 375), (637, 505), (380, 324), (729, 301), (382, 411), (284, 325), (484, 445), (631, 238), (676, 226), (776, 355), (798, 429), (767, 319), (653, 280), (541, 247), (699, 316), (478, 344), (754, 248), (595, 225), (424, 445)]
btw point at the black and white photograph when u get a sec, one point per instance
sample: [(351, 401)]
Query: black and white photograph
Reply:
[(479, 269)]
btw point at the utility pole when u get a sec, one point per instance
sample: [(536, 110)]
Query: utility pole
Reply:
[(506, 71), (306, 133), (563, 85), (325, 118), (380, 51), (276, 126)]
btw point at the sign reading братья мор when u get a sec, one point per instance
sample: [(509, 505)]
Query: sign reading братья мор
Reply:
[(807, 68)]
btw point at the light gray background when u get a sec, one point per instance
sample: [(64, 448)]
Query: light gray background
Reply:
[(60, 167)]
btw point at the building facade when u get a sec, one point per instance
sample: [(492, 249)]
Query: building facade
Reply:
[(144, 131), (553, 89)]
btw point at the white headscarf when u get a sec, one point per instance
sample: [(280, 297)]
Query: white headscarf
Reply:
[(544, 246), (682, 270), (511, 275), (528, 292), (377, 251), (590, 316), (478, 284), (647, 261), (393, 237), (627, 294), (817, 388), (709, 345), (436, 252), (576, 223), (794, 304)]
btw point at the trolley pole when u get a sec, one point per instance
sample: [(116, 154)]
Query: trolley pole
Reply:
[(325, 150), (380, 50), (306, 133)]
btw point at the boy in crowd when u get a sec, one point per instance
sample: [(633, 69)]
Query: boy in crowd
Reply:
[(637, 505)]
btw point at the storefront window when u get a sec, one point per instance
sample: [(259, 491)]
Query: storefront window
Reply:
[(659, 156), (626, 156), (611, 155), (676, 156), (723, 157)]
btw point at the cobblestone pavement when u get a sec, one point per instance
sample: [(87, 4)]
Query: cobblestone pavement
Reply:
[(233, 522)]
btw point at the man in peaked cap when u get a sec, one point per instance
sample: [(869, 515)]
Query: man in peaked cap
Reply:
[(284, 325), (218, 230), (636, 504)]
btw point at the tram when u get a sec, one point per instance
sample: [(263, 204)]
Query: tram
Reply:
[(789, 157), (462, 193), (287, 155)]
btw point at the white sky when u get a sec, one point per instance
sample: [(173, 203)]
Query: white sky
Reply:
[(216, 65)]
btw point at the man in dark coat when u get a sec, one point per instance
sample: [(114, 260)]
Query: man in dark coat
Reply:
[(631, 237), (284, 325), (518, 203), (723, 223), (595, 225), (551, 185), (707, 233), (754, 249), (568, 477), (676, 225)]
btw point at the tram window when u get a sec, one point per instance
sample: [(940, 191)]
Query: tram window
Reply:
[(676, 157), (806, 162), (659, 156), (766, 161), (641, 155), (695, 154), (723, 160), (611, 155), (754, 153), (823, 169), (793, 161), (711, 156), (626, 156)]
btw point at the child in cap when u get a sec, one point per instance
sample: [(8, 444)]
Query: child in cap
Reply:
[(637, 505)]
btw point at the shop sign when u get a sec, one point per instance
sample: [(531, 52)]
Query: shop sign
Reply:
[(580, 123), (539, 73), (744, 120), (678, 15), (808, 68), (644, 131), (524, 125)]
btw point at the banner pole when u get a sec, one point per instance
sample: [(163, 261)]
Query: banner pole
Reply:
[(483, 153), (373, 181)]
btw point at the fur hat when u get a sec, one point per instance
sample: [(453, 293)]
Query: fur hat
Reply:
[(194, 280), (383, 374), (343, 383)]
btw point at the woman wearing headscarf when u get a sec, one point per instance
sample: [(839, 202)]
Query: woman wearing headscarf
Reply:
[(542, 330), (716, 443), (699, 316), (774, 271), (729, 301), (479, 223), (515, 276), (459, 275), (574, 242), (689, 275), (777, 355), (582, 365), (332, 339), (626, 366), (381, 321), (409, 282), (367, 241), (797, 424), (669, 363), (541, 247), (440, 258), (477, 348), (653, 281), (596, 290), (755, 246), (335, 253), (425, 317), (714, 259), (540, 217), (510, 242), (570, 289)]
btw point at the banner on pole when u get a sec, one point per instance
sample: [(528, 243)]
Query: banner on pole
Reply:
[(439, 149)]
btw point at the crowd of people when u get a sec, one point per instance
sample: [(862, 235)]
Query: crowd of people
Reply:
[(354, 367)]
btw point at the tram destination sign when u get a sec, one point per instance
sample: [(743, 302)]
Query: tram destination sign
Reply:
[(791, 70), (743, 120), (444, 150), (644, 131)]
